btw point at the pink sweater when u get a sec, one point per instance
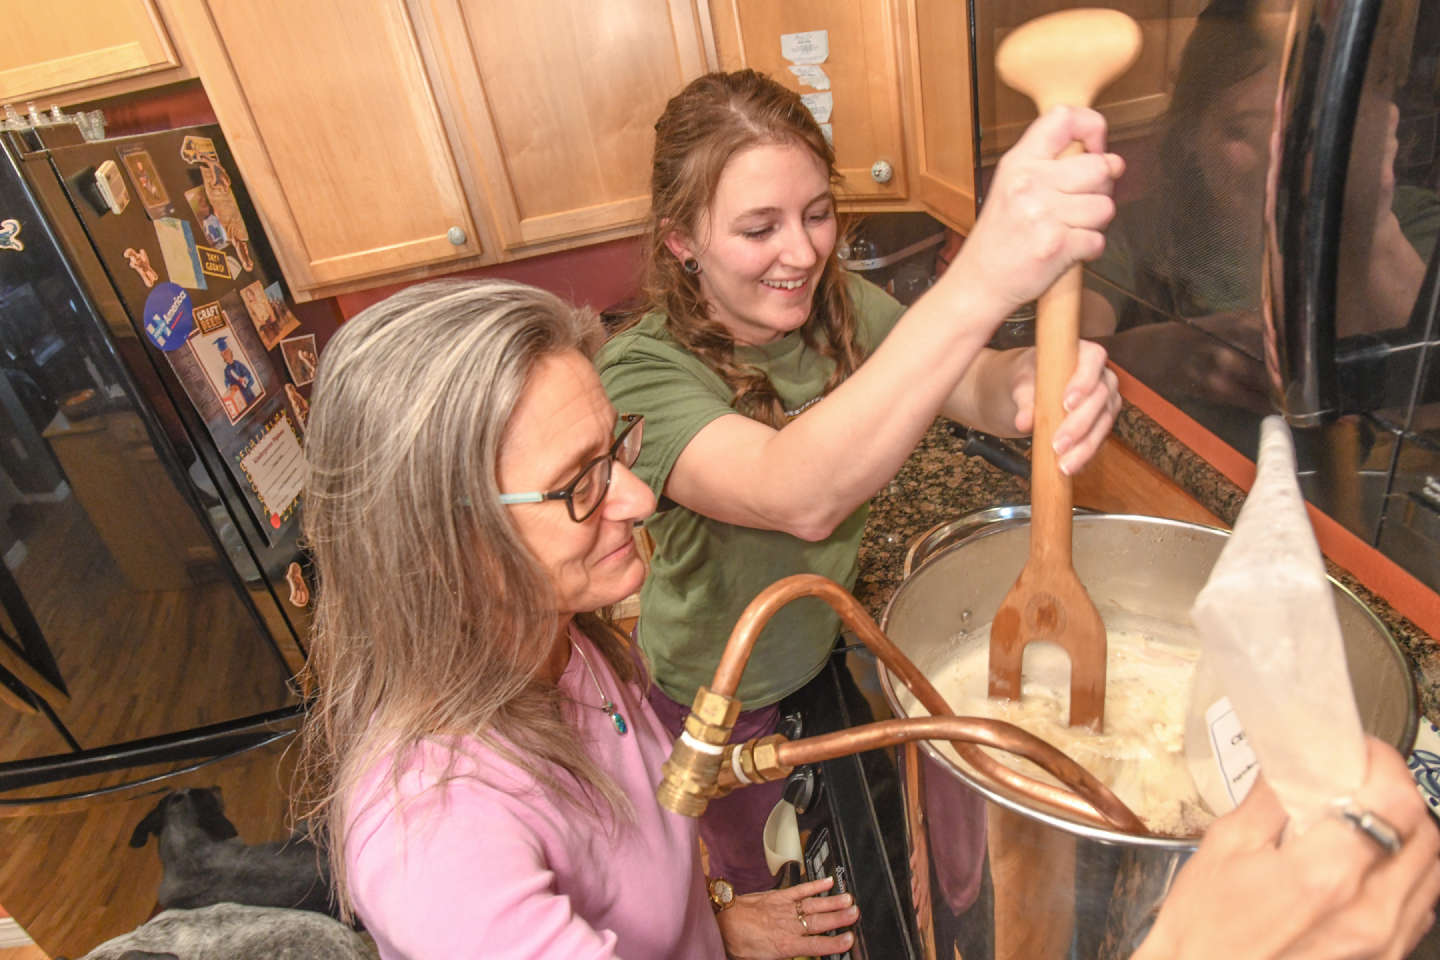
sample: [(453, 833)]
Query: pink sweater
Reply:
[(497, 870)]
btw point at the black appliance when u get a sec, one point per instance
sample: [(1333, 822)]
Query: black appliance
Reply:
[(152, 402), (1353, 271), (851, 816)]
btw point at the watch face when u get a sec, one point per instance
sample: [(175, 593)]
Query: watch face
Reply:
[(722, 894)]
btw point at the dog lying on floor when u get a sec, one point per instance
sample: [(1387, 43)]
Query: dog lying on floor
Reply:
[(206, 862), (232, 931)]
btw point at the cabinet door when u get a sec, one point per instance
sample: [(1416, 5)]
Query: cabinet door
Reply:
[(65, 45), (556, 101), (861, 68), (332, 119), (942, 109)]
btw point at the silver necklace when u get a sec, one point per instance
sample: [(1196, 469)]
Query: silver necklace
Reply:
[(606, 704)]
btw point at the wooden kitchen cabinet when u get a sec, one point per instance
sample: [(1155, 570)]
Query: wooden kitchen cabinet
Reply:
[(331, 116), (65, 51), (939, 104), (552, 106), (389, 140), (864, 72)]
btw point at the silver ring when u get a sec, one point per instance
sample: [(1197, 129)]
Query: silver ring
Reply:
[(1372, 825)]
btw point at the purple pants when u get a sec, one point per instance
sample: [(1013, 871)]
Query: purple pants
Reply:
[(733, 826)]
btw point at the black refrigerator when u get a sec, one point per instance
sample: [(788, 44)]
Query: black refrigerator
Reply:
[(153, 392)]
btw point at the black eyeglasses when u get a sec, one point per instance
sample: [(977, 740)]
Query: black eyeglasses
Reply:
[(586, 492)]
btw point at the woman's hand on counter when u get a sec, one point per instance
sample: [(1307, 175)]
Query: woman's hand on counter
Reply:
[(768, 926), (1328, 892)]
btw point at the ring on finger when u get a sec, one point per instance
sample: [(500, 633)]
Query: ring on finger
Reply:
[(800, 915), (1374, 826)]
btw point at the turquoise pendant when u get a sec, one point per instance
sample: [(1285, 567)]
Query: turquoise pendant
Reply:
[(615, 718)]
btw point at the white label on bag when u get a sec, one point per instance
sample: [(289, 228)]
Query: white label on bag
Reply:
[(1237, 763)]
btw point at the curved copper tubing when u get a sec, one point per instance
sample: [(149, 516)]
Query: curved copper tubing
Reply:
[(959, 731), (1087, 799)]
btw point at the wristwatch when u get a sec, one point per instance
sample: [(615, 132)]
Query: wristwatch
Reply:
[(722, 894)]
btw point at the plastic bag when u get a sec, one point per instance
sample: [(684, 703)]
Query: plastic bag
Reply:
[(1272, 683)]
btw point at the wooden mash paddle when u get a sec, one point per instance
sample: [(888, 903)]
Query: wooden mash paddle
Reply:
[(1061, 58)]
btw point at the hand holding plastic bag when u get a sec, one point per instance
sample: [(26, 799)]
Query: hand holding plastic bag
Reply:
[(1272, 645)]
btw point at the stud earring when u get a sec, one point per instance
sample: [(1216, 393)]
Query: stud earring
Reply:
[(691, 265)]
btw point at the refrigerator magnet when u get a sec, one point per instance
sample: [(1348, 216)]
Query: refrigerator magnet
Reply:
[(222, 201), (228, 371), (295, 580), (148, 186), (274, 463), (177, 246), (169, 318), (209, 317), (300, 358), (299, 405), (210, 224), (195, 149), (139, 261), (212, 262), (111, 184), (269, 312), (10, 235)]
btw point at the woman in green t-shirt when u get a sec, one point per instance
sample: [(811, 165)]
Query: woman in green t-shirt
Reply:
[(752, 323)]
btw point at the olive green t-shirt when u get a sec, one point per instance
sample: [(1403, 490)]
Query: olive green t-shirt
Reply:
[(704, 572)]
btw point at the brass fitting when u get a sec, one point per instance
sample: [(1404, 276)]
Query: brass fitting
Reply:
[(758, 761), (691, 771)]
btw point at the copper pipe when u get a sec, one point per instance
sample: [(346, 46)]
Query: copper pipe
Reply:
[(1087, 799)]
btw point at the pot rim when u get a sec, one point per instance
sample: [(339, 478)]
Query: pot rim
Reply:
[(994, 520)]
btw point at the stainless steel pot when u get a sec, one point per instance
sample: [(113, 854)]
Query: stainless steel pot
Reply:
[(995, 876)]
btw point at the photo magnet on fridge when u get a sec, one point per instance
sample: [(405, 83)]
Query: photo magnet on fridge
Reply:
[(148, 186), (228, 370), (272, 320), (177, 246), (299, 405), (222, 201), (300, 358), (205, 215)]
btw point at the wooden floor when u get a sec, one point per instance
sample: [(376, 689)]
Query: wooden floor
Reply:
[(70, 877), (142, 651)]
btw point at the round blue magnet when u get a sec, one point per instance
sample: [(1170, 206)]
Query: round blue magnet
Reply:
[(169, 316)]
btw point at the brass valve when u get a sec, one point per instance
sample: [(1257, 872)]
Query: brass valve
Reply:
[(754, 761), (691, 771)]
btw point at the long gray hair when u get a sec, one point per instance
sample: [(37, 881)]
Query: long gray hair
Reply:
[(432, 619)]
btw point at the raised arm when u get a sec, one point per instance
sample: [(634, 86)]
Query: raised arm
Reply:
[(1043, 214)]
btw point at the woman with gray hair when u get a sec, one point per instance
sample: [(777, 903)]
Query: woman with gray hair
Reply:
[(479, 753)]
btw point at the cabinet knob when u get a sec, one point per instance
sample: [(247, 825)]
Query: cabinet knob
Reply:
[(456, 236), (881, 171)]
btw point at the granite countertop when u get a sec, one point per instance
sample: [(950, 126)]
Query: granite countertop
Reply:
[(940, 482)]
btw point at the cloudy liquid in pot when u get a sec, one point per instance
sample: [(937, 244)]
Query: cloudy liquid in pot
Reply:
[(1140, 755)]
